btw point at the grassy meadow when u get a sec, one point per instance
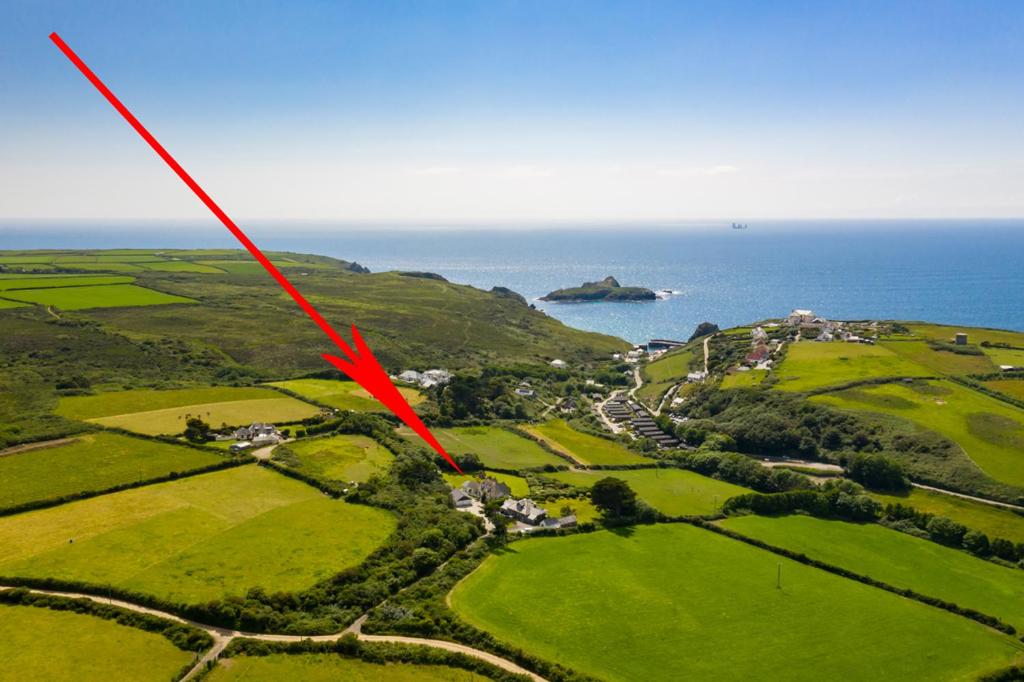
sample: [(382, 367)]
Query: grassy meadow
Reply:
[(91, 462), (496, 447), (809, 365), (748, 379), (4, 304), (996, 522), (517, 484), (583, 447), (674, 602), (991, 432), (196, 539), (61, 646), (1011, 387), (676, 492), (668, 370), (344, 395), (48, 282), (940, 361), (898, 559), (330, 668), (344, 457), (164, 412), (108, 296), (975, 335)]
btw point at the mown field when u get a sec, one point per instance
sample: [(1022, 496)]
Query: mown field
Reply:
[(165, 412), (60, 646), (671, 491), (109, 296), (198, 538), (330, 668), (898, 559), (674, 602), (991, 432), (583, 447), (4, 304), (91, 462), (996, 522), (344, 395), (975, 335), (517, 484), (809, 365), (496, 447), (338, 458)]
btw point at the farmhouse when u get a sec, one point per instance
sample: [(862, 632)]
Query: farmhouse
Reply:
[(258, 434), (485, 489), (460, 499), (523, 510), (758, 355)]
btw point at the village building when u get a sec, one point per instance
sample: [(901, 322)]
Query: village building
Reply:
[(758, 355), (799, 317), (258, 434), (558, 364), (960, 339), (523, 510), (461, 499), (485, 489), (410, 376)]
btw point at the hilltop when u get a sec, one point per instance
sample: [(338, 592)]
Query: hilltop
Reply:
[(607, 289)]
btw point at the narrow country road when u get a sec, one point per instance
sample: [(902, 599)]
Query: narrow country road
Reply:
[(707, 352), (223, 636), (982, 500)]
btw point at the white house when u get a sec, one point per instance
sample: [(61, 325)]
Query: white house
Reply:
[(800, 316), (410, 376), (523, 510), (559, 364)]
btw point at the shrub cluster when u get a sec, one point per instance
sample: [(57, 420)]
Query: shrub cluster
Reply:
[(950, 533), (834, 499), (741, 470), (349, 646)]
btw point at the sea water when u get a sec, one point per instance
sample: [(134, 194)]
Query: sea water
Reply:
[(968, 272)]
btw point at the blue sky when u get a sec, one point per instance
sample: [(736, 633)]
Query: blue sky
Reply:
[(440, 112)]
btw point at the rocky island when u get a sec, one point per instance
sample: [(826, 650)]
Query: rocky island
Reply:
[(607, 289)]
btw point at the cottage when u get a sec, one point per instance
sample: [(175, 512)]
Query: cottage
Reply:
[(524, 392), (257, 430), (559, 364), (758, 335), (568, 405), (961, 339), (460, 499), (410, 376), (563, 522), (758, 355), (696, 377), (485, 489), (435, 377), (523, 510)]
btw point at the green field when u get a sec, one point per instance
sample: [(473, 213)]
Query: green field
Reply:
[(44, 282), (897, 559), (676, 492), (990, 431), (583, 508), (975, 335), (583, 447), (940, 361), (4, 304), (330, 668), (668, 370), (1011, 387), (809, 365), (110, 296), (341, 458), (516, 484), (182, 266), (91, 462), (748, 379), (996, 522), (61, 646), (496, 447), (198, 538), (164, 412), (344, 395), (674, 602)]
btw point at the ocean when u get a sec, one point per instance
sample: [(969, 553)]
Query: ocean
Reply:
[(967, 272)]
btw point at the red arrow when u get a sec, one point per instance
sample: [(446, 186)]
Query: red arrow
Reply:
[(361, 366)]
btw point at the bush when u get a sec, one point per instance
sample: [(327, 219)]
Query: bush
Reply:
[(877, 472)]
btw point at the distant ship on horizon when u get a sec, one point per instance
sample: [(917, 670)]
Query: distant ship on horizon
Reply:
[(739, 226)]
